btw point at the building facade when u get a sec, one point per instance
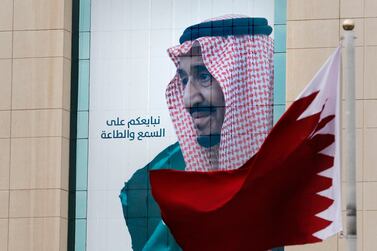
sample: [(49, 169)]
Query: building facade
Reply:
[(44, 110)]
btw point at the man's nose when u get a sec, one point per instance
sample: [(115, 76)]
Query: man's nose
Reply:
[(192, 95)]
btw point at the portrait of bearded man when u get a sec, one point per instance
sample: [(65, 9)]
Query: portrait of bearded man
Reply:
[(220, 103)]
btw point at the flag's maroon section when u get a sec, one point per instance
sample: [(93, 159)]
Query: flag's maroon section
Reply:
[(271, 201)]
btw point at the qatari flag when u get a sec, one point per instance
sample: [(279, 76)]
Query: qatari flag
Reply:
[(288, 193)]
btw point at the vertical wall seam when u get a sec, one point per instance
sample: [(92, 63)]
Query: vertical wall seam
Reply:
[(10, 127), (73, 126)]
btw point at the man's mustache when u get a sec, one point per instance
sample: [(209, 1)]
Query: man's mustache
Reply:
[(202, 108)]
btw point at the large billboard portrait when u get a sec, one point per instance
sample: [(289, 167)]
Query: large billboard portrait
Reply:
[(184, 85)]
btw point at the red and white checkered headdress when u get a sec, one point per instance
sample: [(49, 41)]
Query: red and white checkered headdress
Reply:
[(243, 66)]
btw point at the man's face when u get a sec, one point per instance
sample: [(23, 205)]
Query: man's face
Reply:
[(202, 97)]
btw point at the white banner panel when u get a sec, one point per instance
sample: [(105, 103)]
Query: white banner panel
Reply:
[(129, 123)]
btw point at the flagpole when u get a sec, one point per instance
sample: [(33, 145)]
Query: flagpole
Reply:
[(350, 134)]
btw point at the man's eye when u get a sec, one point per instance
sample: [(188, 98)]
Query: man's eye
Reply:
[(184, 82), (205, 79), (205, 76)]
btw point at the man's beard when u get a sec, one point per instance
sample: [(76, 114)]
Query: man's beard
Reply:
[(208, 141)]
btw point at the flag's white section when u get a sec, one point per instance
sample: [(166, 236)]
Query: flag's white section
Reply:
[(327, 82)]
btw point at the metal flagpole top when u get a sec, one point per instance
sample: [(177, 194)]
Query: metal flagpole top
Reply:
[(348, 24)]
